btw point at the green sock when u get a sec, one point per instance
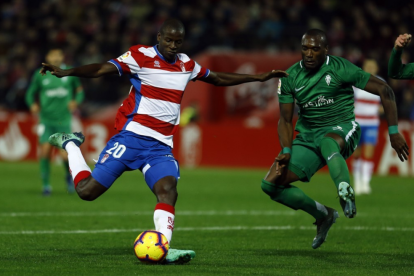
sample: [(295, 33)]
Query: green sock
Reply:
[(294, 198), (45, 171), (336, 162)]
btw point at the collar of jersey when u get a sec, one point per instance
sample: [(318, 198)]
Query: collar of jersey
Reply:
[(159, 54)]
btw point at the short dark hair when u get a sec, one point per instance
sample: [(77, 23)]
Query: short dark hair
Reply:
[(172, 23), (318, 32)]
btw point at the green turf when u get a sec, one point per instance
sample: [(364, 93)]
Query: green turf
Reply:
[(210, 200)]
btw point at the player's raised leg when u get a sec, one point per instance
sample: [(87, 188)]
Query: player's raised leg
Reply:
[(162, 178), (85, 185), (331, 146), (277, 186)]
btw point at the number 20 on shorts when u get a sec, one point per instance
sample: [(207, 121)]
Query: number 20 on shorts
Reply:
[(117, 150)]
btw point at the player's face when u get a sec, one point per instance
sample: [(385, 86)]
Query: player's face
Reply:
[(55, 57), (170, 43), (314, 51)]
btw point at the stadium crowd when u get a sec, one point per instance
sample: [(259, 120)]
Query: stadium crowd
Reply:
[(94, 31)]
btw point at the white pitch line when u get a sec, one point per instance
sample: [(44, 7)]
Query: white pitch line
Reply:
[(150, 213), (213, 228)]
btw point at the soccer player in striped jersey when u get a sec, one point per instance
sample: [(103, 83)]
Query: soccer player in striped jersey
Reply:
[(396, 69), (367, 110), (321, 85), (146, 121)]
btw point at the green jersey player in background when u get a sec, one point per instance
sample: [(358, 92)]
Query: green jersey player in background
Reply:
[(57, 99), (321, 85), (396, 69)]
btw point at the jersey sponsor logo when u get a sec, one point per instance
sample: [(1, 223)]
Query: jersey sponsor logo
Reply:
[(58, 92), (328, 79), (124, 56), (182, 66), (338, 128), (298, 89), (321, 101), (279, 86), (157, 64), (330, 157)]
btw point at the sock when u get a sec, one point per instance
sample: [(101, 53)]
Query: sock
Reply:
[(66, 167), (294, 198), (164, 215), (357, 173), (336, 162), (367, 169), (78, 167), (45, 172)]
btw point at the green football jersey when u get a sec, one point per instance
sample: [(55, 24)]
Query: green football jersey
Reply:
[(325, 97), (54, 96), (397, 70)]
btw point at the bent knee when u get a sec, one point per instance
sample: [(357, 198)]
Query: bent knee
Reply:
[(85, 194), (272, 190)]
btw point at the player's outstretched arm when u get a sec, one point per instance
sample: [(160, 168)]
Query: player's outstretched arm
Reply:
[(396, 69), (228, 79), (378, 87), (86, 71), (285, 131)]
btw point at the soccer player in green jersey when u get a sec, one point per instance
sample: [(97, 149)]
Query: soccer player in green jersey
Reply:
[(321, 85), (58, 98), (396, 69)]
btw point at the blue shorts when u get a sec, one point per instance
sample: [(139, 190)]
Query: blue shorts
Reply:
[(127, 151), (369, 135)]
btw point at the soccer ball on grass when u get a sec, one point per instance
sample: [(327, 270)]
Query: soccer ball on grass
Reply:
[(151, 247)]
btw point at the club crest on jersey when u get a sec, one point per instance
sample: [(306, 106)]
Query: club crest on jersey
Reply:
[(157, 64), (104, 158), (328, 79), (182, 66), (124, 56)]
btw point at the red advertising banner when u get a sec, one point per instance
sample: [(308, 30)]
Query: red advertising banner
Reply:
[(205, 144)]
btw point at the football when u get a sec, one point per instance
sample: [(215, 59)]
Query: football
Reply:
[(151, 247)]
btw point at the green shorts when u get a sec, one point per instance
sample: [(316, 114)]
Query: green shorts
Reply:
[(306, 158), (45, 130)]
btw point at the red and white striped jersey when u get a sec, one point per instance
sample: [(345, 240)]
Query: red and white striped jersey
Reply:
[(367, 107), (153, 105)]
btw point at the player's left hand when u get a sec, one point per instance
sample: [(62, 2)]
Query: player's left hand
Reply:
[(54, 70), (72, 105), (272, 74), (281, 161), (400, 146)]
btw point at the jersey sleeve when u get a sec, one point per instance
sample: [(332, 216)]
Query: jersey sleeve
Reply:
[(199, 72), (397, 70), (284, 91), (128, 63), (32, 90), (351, 74)]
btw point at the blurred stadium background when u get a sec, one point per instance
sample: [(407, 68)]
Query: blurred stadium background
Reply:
[(234, 127), (222, 213)]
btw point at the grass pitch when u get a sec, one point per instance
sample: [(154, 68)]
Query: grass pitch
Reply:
[(221, 214)]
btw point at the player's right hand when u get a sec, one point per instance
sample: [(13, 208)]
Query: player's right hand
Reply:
[(54, 70), (400, 146), (402, 41), (281, 162)]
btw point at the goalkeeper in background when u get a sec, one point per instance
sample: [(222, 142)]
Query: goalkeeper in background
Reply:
[(57, 99)]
